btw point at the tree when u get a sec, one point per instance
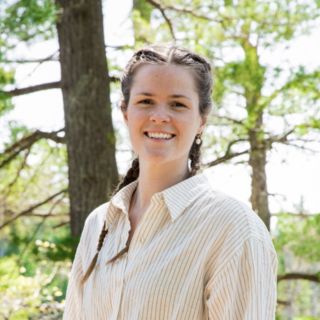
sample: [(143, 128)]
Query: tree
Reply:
[(248, 28), (86, 94), (85, 84), (249, 94)]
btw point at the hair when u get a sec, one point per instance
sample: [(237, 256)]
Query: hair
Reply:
[(162, 55)]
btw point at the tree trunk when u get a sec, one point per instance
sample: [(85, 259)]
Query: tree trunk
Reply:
[(86, 95), (257, 161)]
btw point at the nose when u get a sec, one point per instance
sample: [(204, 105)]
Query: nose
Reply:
[(160, 114)]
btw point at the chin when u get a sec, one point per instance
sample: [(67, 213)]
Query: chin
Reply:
[(156, 157)]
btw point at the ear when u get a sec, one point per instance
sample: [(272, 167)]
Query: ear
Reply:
[(202, 124), (124, 112)]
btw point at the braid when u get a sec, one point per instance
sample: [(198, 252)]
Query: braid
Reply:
[(103, 234), (132, 175), (195, 157), (93, 263), (161, 55)]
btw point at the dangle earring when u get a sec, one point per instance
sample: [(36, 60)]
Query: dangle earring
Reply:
[(198, 138)]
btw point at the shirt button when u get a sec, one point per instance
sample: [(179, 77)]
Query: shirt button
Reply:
[(161, 196), (141, 240)]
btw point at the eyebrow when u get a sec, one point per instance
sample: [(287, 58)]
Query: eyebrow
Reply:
[(148, 94)]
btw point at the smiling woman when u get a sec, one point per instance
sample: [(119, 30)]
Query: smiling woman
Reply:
[(170, 247), (163, 101)]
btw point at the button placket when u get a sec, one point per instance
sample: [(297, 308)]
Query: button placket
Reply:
[(141, 240)]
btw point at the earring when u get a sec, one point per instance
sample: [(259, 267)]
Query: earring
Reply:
[(198, 140)]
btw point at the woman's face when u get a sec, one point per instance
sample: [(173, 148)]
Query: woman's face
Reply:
[(163, 113)]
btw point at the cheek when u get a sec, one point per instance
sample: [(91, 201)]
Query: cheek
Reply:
[(188, 125), (136, 122), (133, 118)]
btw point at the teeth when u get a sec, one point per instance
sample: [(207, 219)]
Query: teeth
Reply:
[(159, 135)]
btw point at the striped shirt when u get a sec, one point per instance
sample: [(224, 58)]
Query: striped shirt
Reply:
[(196, 254)]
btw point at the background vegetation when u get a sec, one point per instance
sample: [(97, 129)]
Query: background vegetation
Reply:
[(50, 181)]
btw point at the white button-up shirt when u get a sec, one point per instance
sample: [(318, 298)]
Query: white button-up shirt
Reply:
[(196, 254)]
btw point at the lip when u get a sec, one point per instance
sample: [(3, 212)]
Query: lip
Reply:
[(159, 131)]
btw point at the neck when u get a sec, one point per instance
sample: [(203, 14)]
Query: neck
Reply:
[(155, 178)]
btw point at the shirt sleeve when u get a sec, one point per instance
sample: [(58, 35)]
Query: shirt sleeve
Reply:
[(73, 308), (245, 288)]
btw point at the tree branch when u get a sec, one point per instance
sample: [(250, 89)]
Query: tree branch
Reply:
[(225, 158), (162, 8), (186, 10), (32, 89), (23, 164), (282, 139), (298, 79), (31, 238), (299, 147), (229, 119), (61, 224), (299, 276), (284, 303), (18, 215), (31, 61), (299, 214), (125, 46), (28, 141), (232, 143), (49, 58), (41, 87), (41, 215)]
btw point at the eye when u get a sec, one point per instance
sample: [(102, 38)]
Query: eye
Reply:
[(145, 101), (178, 104)]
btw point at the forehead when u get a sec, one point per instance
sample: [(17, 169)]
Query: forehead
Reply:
[(168, 78)]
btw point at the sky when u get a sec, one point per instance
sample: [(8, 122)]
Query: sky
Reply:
[(295, 179)]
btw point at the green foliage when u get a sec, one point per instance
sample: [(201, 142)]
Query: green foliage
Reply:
[(299, 293), (25, 296), (27, 20), (142, 29), (6, 77), (34, 270), (144, 8), (22, 21), (233, 37), (33, 236), (300, 235), (37, 252), (16, 132), (37, 256), (249, 94)]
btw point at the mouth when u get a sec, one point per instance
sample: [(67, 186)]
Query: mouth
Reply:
[(159, 136)]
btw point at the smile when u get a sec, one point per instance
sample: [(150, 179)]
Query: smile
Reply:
[(159, 136)]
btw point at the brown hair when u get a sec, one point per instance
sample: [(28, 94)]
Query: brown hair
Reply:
[(162, 54)]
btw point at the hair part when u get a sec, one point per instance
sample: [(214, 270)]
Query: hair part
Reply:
[(162, 55)]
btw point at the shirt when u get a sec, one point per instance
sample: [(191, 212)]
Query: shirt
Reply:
[(197, 253)]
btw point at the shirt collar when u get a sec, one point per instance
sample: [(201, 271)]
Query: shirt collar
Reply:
[(177, 197), (121, 200), (181, 195)]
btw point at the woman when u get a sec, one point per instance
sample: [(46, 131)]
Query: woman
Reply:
[(170, 247)]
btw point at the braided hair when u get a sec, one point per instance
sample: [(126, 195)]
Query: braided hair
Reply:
[(162, 54)]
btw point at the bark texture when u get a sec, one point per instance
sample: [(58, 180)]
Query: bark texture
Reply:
[(253, 79), (258, 161), (85, 86)]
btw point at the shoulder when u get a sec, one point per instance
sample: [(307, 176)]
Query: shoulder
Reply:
[(94, 223), (236, 220), (98, 215)]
